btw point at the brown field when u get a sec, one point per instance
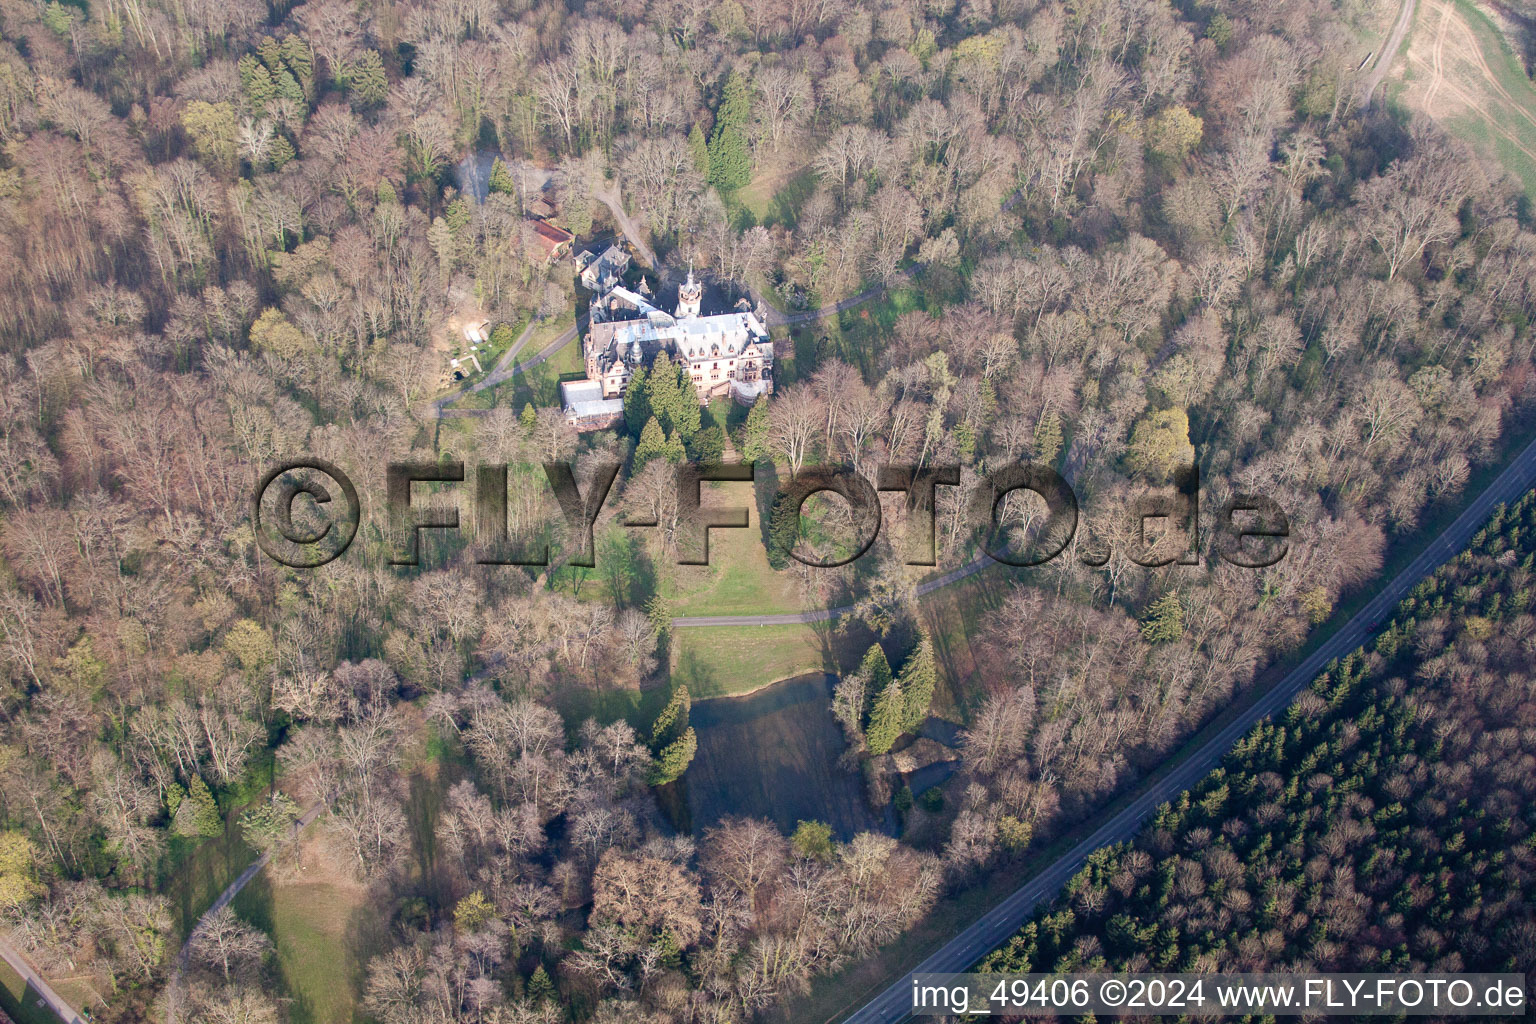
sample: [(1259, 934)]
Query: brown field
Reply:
[(1461, 71)]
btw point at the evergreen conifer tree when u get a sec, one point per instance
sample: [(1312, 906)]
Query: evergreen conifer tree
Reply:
[(365, 80), (876, 669), (1164, 622), (540, 988), (886, 719), (501, 179), (700, 150), (669, 725), (1048, 438), (198, 816), (676, 450), (730, 156), (754, 439), (812, 839), (653, 444), (917, 679), (674, 759), (637, 401)]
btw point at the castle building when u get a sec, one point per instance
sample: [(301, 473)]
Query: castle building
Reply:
[(727, 354)]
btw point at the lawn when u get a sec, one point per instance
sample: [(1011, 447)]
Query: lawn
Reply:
[(324, 931), (715, 661), (20, 1001), (773, 198), (203, 871), (637, 707), (1462, 72), (738, 579), (854, 335), (541, 384), (952, 615)]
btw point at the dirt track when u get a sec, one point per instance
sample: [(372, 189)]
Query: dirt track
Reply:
[(1450, 77), (1388, 53)]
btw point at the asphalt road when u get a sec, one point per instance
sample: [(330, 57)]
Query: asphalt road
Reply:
[(994, 927), (39, 984), (503, 370)]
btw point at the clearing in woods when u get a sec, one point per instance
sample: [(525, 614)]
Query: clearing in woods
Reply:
[(1461, 72), (324, 928)]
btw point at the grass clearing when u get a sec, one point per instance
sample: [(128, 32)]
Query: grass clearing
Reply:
[(774, 755), (738, 579), (1462, 72), (637, 707), (952, 615), (324, 929), (539, 384), (853, 336), (20, 1001), (774, 197), (80, 992), (204, 872), (716, 661)]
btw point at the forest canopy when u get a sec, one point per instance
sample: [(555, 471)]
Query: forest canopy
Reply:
[(1106, 236)]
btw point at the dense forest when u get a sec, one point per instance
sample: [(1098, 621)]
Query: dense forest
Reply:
[(1129, 233), (1385, 822)]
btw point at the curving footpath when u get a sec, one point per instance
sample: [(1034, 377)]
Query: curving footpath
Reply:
[(503, 370), (998, 924), (173, 987), (776, 317)]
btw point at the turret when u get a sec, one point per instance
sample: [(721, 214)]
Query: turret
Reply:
[(689, 295)]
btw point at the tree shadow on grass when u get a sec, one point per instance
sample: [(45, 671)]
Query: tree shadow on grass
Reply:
[(422, 807), (256, 905), (695, 674), (205, 871), (367, 937), (952, 626)]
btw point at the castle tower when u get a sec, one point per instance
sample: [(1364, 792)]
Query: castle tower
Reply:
[(689, 294)]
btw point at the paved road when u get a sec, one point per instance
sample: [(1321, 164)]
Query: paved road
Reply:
[(994, 927), (39, 984), (1387, 54), (611, 199), (776, 317), (503, 370)]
